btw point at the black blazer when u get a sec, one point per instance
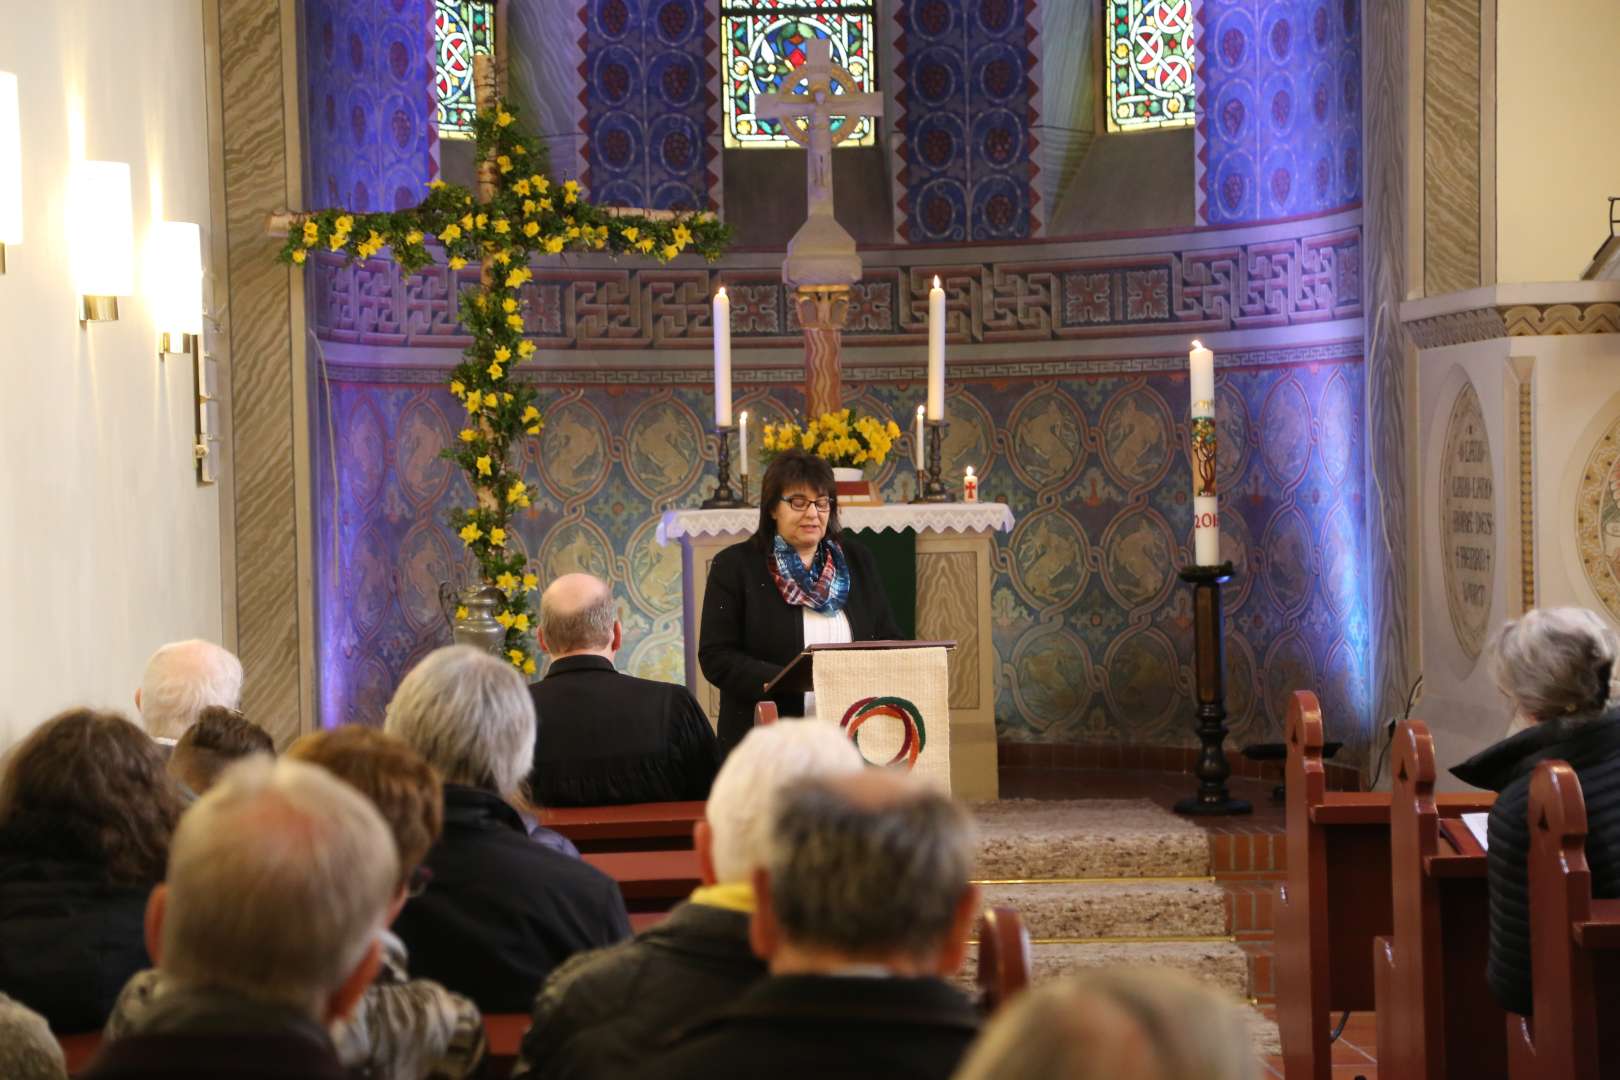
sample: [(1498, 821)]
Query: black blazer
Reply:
[(503, 910), (749, 633), (806, 1027), (606, 738)]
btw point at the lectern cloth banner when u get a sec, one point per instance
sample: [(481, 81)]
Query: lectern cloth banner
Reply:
[(894, 705)]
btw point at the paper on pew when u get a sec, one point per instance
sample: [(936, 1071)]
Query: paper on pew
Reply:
[(1476, 825)]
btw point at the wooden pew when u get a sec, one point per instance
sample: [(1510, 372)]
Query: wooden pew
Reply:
[(1436, 1015), (1574, 945), (504, 1034), (1003, 957), (637, 827), (1336, 898)]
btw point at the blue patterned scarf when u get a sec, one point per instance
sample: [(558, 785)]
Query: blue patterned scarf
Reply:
[(822, 586)]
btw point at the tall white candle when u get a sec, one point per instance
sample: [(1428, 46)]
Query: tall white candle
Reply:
[(722, 359), (936, 352), (1206, 510), (742, 443), (917, 439)]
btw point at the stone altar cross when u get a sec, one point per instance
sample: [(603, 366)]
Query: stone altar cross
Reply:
[(822, 262)]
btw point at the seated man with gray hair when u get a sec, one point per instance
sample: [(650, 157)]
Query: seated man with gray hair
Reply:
[(607, 738), (603, 1013), (501, 909), (268, 941), (864, 908), (181, 680)]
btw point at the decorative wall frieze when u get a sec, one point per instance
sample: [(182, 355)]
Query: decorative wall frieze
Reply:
[(1257, 284), (1515, 320)]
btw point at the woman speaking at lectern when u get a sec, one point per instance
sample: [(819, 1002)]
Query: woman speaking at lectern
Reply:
[(795, 582)]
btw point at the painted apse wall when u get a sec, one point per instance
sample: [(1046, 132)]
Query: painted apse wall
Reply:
[(108, 546), (1067, 394)]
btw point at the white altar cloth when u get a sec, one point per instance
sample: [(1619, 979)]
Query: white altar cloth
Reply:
[(924, 517)]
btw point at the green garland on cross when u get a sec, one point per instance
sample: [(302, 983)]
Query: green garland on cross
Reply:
[(526, 215)]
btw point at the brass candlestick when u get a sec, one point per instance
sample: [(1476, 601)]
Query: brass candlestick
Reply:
[(935, 491)]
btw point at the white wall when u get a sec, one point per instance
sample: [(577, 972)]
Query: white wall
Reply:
[(108, 547), (1557, 158)]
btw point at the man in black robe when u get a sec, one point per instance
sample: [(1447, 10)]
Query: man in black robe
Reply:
[(607, 738)]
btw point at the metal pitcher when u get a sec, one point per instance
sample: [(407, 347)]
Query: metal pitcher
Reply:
[(479, 628)]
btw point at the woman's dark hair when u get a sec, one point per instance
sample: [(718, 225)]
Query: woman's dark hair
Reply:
[(98, 782), (791, 469)]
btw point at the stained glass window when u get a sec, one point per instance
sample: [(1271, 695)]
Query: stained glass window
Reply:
[(461, 29), (1150, 64), (764, 40)]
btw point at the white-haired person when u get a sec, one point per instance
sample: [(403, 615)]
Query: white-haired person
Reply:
[(603, 1013), (863, 907), (1125, 1024), (268, 942), (181, 680), (1556, 668), (501, 910), (28, 1050)]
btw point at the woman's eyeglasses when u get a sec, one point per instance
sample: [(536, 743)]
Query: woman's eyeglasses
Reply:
[(800, 504)]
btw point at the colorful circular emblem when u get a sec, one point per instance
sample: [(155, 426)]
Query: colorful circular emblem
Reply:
[(914, 735)]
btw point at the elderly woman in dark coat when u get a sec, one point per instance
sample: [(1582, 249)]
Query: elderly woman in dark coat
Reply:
[(1556, 666), (796, 582), (86, 813)]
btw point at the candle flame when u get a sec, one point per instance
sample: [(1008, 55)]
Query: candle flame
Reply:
[(936, 281), (921, 409), (721, 292), (970, 470), (745, 416), (1196, 343)]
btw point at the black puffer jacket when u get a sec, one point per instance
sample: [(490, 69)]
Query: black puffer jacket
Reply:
[(69, 940), (1592, 748)]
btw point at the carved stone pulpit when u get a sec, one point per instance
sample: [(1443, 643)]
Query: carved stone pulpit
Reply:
[(822, 263)]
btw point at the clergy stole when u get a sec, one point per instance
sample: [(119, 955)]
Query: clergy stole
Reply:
[(894, 705)]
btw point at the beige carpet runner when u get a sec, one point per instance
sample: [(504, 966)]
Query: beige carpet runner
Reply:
[(1111, 882)]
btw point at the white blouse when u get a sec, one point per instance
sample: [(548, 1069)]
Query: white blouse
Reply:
[(822, 629)]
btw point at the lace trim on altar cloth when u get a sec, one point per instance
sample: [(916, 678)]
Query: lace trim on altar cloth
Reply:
[(930, 517)]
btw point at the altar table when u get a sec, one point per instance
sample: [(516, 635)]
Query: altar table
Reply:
[(954, 543)]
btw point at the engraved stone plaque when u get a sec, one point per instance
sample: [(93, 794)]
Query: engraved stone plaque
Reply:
[(1468, 521)]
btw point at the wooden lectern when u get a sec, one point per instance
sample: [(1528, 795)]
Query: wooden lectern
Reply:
[(891, 697)]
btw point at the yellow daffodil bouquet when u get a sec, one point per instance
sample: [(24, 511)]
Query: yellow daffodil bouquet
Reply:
[(528, 215), (845, 440)]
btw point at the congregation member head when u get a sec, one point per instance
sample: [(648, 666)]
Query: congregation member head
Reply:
[(607, 738), (181, 680), (219, 737), (86, 816), (1555, 667), (501, 910), (28, 1050), (278, 883), (605, 1012), (864, 905), (401, 1027), (1137, 1024)]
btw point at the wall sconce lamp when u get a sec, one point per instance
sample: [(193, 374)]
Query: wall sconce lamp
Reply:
[(175, 283), (11, 221), (101, 237)]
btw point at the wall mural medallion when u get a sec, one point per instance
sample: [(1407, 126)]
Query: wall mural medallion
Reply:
[(1290, 562), (1338, 428), (1136, 438), (422, 432), (655, 571), (365, 442), (1468, 521), (576, 547), (1341, 568), (968, 435), (1046, 431), (1288, 667), (1049, 558), (1597, 519), (1286, 419), (660, 657), (424, 561), (664, 448), (1232, 441), (1239, 685), (1237, 548), (1140, 680), (1136, 555), (574, 449), (1052, 684)]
